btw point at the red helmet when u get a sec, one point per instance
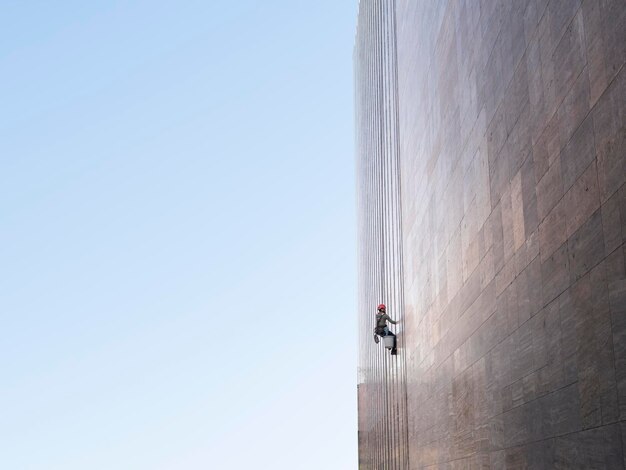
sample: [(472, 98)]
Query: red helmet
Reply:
[(382, 307)]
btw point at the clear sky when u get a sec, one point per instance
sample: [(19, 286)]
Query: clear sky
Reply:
[(177, 235)]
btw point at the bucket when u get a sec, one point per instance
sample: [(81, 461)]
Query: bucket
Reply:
[(389, 341)]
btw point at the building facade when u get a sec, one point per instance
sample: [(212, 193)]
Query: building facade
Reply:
[(491, 162)]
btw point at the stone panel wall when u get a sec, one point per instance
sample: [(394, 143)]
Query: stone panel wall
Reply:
[(510, 127)]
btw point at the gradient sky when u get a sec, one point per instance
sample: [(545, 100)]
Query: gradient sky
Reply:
[(177, 235)]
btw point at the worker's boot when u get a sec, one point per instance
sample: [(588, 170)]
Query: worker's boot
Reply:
[(394, 352), (376, 338)]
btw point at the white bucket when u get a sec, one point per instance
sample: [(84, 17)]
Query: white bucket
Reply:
[(388, 340)]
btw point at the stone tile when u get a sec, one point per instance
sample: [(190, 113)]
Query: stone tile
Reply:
[(622, 426), (470, 242), (570, 370), (534, 420), (517, 210), (486, 270), (540, 455), (498, 176), (539, 327), (593, 19), (505, 277), (515, 458), (508, 217), (560, 14), (531, 18), (496, 135), (609, 119), (549, 190), (611, 221), (496, 370), (586, 247), (480, 461), (523, 297), (533, 64), (616, 283), (497, 459), (561, 412), (523, 358), (569, 318), (493, 82), (508, 306), (595, 448), (497, 237), (530, 386), (569, 56), (546, 149), (532, 244), (615, 264), (578, 153), (605, 39), (521, 258), (555, 272), (486, 303), (529, 198), (512, 37), (574, 108), (553, 231), (516, 96), (518, 146), (454, 268), (515, 430), (582, 199), (622, 205), (551, 376), (550, 91), (596, 374)]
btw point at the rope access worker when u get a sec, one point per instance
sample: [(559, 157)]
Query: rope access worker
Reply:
[(381, 326)]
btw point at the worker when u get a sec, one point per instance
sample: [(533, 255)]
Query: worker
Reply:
[(381, 328)]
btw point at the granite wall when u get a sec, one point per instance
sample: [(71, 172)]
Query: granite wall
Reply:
[(491, 155)]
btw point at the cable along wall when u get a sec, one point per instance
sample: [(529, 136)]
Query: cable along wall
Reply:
[(383, 437)]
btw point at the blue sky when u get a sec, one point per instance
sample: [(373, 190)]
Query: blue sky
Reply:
[(177, 235)]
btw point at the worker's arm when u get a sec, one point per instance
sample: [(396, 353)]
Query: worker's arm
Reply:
[(390, 320)]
